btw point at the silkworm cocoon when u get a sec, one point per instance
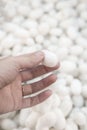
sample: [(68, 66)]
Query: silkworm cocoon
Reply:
[(68, 67), (16, 119), (72, 124), (82, 6), (81, 41), (61, 90), (33, 32), (84, 110), (66, 106), (29, 24), (84, 32), (31, 121), (78, 101), (8, 42), (52, 48), (7, 124), (39, 39), (23, 116), (71, 127), (84, 91), (17, 49), (82, 67), (44, 28), (50, 59), (46, 43), (52, 22), (42, 108), (55, 101), (48, 104), (46, 121), (69, 79), (18, 19), (10, 27), (83, 78), (84, 55), (60, 120), (79, 118), (23, 10), (8, 115), (26, 129), (72, 33), (2, 34), (84, 127), (65, 41), (72, 58), (76, 87), (30, 42), (21, 33), (76, 50), (35, 4), (28, 49), (46, 128), (53, 39), (56, 32), (36, 13), (7, 53), (62, 52), (83, 14), (74, 110)]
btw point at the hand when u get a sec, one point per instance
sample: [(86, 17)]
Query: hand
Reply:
[(16, 70)]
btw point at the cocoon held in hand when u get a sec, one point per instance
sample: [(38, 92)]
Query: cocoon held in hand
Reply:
[(50, 59)]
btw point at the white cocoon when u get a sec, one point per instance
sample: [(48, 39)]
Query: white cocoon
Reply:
[(50, 59)]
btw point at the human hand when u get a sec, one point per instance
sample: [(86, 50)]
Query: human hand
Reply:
[(16, 70)]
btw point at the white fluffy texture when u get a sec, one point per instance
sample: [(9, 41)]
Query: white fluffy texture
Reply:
[(60, 120), (59, 26), (50, 59), (49, 104), (78, 101), (80, 118), (68, 67), (76, 87), (66, 106), (46, 121), (23, 115), (32, 120), (71, 125), (7, 124), (84, 91)]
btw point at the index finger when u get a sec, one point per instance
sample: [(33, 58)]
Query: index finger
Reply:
[(29, 60)]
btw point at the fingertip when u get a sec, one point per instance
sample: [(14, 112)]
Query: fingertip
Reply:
[(48, 93), (57, 66), (53, 77)]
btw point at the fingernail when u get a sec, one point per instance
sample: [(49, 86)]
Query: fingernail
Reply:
[(39, 54)]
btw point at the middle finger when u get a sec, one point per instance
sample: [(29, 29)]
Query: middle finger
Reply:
[(38, 86), (36, 72)]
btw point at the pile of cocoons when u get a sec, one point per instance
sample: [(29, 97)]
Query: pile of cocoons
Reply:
[(59, 26)]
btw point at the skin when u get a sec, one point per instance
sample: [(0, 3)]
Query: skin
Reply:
[(17, 70)]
